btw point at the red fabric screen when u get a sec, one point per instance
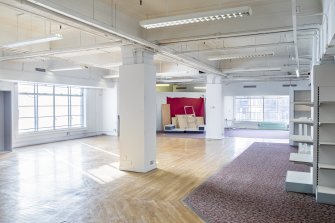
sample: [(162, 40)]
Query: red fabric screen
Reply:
[(177, 106)]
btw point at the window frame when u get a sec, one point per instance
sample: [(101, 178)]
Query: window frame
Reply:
[(237, 114), (36, 95)]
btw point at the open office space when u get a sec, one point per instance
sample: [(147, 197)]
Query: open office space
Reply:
[(167, 111)]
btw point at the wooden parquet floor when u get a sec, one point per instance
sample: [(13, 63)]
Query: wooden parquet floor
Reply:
[(78, 181)]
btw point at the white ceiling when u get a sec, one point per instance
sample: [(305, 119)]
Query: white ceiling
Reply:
[(91, 48)]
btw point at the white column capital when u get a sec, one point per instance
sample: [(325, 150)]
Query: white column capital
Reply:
[(214, 79), (136, 55)]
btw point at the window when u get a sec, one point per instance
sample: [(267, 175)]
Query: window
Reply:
[(48, 107), (257, 108)]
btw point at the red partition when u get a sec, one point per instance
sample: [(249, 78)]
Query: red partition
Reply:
[(177, 106)]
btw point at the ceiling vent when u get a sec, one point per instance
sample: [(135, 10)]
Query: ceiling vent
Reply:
[(289, 85), (249, 86), (40, 69), (181, 88)]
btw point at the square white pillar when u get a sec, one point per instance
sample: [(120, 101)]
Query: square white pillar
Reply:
[(137, 101), (214, 108)]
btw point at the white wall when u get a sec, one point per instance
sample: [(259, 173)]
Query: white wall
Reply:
[(262, 88), (109, 111), (161, 99)]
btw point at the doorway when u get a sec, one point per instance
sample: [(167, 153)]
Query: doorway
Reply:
[(5, 121)]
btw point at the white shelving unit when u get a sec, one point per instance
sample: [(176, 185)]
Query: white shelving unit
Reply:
[(324, 93), (302, 158), (301, 135), (301, 121), (307, 121), (301, 182)]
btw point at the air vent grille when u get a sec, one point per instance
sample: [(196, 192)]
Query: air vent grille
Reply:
[(249, 86), (289, 85), (40, 69)]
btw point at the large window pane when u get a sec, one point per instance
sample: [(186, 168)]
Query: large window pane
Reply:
[(75, 100), (61, 100), (26, 112), (249, 108), (45, 123), (26, 88), (62, 122), (61, 90), (76, 91), (26, 100), (26, 124), (46, 111), (45, 89), (61, 111), (45, 100), (76, 121), (76, 110)]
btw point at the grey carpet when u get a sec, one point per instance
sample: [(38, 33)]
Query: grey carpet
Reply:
[(252, 189)]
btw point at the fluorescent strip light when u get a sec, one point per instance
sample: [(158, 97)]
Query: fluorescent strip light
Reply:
[(196, 17), (162, 85), (257, 69), (112, 65), (297, 73), (53, 37), (177, 80), (172, 73), (112, 76), (241, 56), (67, 68), (200, 88)]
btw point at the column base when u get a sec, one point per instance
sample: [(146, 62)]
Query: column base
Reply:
[(127, 166)]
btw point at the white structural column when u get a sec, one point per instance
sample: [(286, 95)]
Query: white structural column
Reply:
[(214, 108), (137, 109)]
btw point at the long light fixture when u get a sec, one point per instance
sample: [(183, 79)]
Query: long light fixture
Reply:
[(241, 56), (67, 68), (112, 76), (162, 85), (196, 17), (177, 80), (256, 69), (172, 74), (50, 38), (113, 65), (200, 88)]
